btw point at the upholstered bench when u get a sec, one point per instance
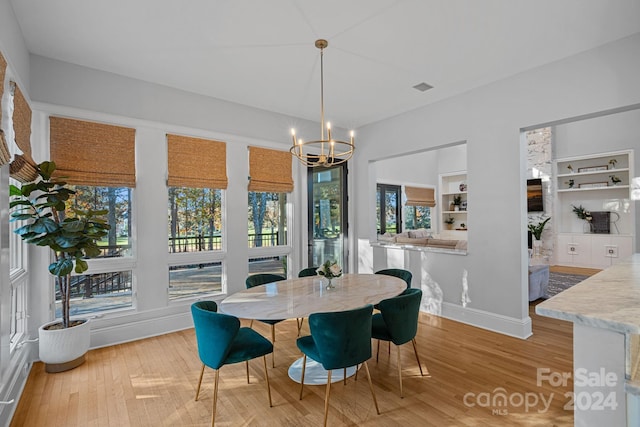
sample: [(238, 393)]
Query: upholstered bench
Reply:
[(538, 281)]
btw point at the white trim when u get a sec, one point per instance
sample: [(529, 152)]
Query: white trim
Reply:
[(519, 328)]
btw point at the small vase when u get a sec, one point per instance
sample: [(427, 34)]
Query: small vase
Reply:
[(330, 284)]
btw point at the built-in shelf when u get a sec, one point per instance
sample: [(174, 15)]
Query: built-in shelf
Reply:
[(453, 186)]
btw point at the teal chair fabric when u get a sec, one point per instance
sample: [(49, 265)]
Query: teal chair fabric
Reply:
[(309, 271), (397, 322), (261, 279), (338, 340), (221, 341), (398, 272)]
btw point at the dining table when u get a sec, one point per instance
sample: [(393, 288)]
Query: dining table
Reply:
[(300, 297)]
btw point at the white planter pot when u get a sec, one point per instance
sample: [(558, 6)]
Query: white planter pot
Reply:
[(64, 349), (537, 248)]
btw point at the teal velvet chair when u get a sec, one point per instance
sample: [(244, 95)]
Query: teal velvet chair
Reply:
[(397, 322), (398, 272), (309, 271), (221, 341), (305, 272), (261, 279), (338, 340)]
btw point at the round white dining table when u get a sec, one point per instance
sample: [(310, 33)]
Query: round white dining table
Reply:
[(300, 297)]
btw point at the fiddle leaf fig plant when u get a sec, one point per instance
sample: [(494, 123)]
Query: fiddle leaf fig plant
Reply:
[(72, 239)]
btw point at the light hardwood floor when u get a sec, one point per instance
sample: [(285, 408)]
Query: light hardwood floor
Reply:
[(152, 382)]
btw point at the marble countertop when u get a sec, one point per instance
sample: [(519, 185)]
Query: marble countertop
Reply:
[(608, 300), (419, 248)]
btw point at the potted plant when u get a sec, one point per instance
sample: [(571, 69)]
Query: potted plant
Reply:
[(536, 231), (613, 162), (449, 221), (615, 180), (42, 204), (457, 199)]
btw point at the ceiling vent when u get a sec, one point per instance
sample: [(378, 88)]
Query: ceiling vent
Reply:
[(423, 87)]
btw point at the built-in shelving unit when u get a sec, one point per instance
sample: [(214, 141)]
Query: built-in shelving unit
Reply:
[(453, 204), (599, 183)]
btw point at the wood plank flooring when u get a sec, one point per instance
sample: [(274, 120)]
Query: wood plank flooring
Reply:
[(152, 382)]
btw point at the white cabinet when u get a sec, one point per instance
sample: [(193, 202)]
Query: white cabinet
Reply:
[(453, 205), (592, 250), (599, 183)]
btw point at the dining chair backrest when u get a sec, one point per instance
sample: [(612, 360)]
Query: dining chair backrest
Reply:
[(207, 305), (400, 315), (342, 338), (214, 334), (309, 271), (262, 278), (398, 272)]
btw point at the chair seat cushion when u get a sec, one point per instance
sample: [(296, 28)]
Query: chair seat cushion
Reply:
[(379, 329), (308, 346), (247, 345), (271, 322)]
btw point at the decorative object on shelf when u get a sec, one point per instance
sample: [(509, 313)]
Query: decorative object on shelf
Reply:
[(593, 169), (457, 199), (594, 184), (570, 183), (463, 186), (581, 212), (600, 224), (449, 221), (323, 152), (570, 168), (463, 226), (612, 163), (615, 180), (584, 214), (330, 270)]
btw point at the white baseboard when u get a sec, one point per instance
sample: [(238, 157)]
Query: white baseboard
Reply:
[(519, 328), (13, 381), (103, 336)]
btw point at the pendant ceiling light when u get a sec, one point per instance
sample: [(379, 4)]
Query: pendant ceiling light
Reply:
[(325, 151)]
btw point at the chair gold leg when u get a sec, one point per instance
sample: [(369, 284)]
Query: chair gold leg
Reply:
[(273, 340), (415, 350), (247, 365), (251, 324), (400, 372), (378, 351), (266, 375), (326, 397), (199, 382), (389, 348), (304, 365), (344, 375), (357, 369), (300, 322), (373, 393), (215, 399)]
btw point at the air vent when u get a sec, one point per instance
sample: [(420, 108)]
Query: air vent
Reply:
[(423, 87)]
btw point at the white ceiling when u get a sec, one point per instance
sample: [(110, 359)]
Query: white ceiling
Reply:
[(261, 53)]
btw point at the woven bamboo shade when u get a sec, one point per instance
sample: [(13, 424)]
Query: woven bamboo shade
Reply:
[(5, 156), (270, 170), (88, 153), (22, 122), (196, 162), (417, 196), (23, 169), (3, 69)]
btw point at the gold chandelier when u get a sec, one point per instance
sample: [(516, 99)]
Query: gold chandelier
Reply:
[(323, 152)]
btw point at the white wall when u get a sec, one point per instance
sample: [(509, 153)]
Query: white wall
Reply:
[(490, 119)]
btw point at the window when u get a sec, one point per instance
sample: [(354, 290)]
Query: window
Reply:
[(268, 212), (195, 219), (79, 149), (267, 219), (416, 217), (388, 209), (197, 178)]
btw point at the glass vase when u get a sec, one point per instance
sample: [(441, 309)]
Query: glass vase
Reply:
[(330, 284)]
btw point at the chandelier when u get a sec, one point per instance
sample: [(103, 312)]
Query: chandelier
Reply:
[(325, 151)]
